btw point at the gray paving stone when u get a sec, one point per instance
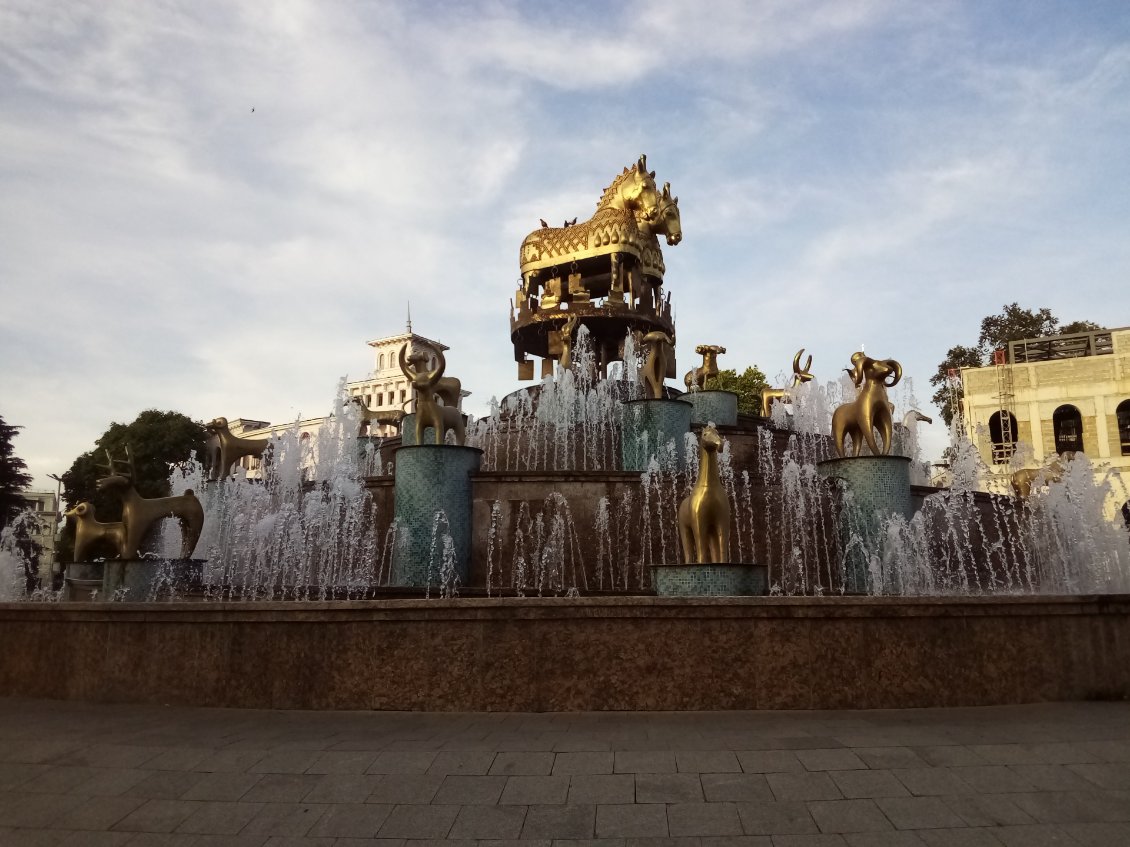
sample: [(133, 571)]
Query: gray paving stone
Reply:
[(394, 762), (821, 840), (1098, 834), (803, 786), (470, 790), (993, 779), (93, 839), (229, 761), (948, 756), (351, 820), (414, 821), (97, 813), (668, 788), (281, 788), (228, 787), (342, 761), (987, 810), (522, 764), (644, 761), (465, 763), (769, 761), (341, 788), (158, 816), (582, 763), (602, 788), (284, 819), (285, 761), (829, 760), (216, 818), (927, 782), (848, 816), (703, 819), (775, 818), (535, 790), (1034, 835), (1106, 775), (559, 822), (890, 757), (735, 787), (736, 841), (919, 812), (635, 820), (179, 759), (404, 789), (488, 822), (964, 837), (883, 839), (862, 784), (707, 761)]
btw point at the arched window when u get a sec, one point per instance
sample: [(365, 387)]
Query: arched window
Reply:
[(381, 362), (1002, 434), (1123, 413), (1067, 424)]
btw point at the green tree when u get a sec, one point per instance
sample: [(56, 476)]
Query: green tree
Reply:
[(746, 385), (14, 477), (156, 441), (1012, 324)]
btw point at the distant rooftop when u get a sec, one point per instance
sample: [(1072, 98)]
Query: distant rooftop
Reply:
[(1052, 347)]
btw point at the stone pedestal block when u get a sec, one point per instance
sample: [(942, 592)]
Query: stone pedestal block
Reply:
[(649, 425), (717, 407), (408, 432), (431, 479), (875, 487), (724, 579)]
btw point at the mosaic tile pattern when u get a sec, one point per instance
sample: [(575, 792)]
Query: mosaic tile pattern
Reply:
[(880, 487), (408, 432), (651, 422), (429, 479), (728, 580), (721, 407)]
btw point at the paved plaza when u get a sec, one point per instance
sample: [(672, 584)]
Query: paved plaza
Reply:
[(87, 775)]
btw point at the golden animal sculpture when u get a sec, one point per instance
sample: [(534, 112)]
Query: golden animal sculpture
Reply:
[(654, 371), (140, 513), (225, 449), (429, 413), (568, 337), (390, 417), (800, 375), (1025, 480), (89, 531), (870, 410), (695, 379), (704, 515)]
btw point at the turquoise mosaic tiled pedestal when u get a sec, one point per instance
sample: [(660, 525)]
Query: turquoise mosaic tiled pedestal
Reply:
[(717, 407), (648, 423), (878, 487), (408, 432), (718, 580), (139, 580), (431, 478)]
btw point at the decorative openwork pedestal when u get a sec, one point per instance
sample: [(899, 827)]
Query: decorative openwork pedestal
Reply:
[(717, 407), (877, 487), (431, 479), (650, 424), (716, 580)]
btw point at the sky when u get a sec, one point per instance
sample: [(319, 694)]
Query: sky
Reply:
[(211, 207)]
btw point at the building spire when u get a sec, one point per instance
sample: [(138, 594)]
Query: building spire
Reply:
[(409, 317)]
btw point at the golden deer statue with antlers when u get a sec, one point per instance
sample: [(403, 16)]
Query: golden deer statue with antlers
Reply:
[(800, 375)]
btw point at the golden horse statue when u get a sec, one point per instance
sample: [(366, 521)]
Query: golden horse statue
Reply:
[(704, 514), (800, 375), (629, 215), (871, 410), (428, 387), (140, 513), (1027, 479)]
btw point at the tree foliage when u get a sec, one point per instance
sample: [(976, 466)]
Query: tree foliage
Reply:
[(746, 385), (14, 477), (156, 441), (1012, 324)]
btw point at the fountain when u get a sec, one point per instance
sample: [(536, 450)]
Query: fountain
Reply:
[(598, 513)]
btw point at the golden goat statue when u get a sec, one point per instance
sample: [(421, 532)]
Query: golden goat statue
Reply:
[(140, 513), (704, 514), (800, 375), (1027, 479), (695, 379), (429, 385), (225, 449), (654, 370), (871, 410), (89, 531)]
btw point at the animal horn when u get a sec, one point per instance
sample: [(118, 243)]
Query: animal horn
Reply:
[(666, 191), (856, 371), (641, 165), (897, 368)]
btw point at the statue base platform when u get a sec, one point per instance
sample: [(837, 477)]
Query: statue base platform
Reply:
[(722, 579), (649, 426), (133, 580), (430, 479), (717, 407), (878, 488)]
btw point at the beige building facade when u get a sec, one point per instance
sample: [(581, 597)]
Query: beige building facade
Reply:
[(1048, 396)]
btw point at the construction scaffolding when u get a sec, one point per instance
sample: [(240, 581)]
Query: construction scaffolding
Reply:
[(1004, 441)]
